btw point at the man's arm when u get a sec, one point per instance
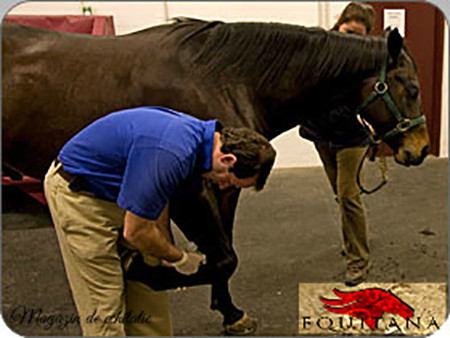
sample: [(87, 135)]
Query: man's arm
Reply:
[(154, 238), (151, 237)]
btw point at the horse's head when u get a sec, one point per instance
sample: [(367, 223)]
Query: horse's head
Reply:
[(392, 105)]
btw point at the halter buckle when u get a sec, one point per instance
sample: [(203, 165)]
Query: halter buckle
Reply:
[(404, 125), (381, 87)]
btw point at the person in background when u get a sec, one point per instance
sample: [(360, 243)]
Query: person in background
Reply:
[(117, 176), (341, 143)]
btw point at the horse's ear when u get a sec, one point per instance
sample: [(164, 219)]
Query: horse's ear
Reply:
[(386, 31), (395, 44)]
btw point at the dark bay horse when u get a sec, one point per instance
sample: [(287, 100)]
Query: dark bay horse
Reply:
[(267, 77)]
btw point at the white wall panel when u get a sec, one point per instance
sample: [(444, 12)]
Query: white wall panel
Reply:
[(335, 8), (303, 13), (48, 8), (132, 16)]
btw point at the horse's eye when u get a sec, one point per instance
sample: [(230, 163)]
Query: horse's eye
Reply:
[(400, 77), (413, 91)]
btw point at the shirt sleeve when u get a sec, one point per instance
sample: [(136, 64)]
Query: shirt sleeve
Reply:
[(151, 177)]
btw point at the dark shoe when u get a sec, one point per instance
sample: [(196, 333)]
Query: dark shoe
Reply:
[(356, 272)]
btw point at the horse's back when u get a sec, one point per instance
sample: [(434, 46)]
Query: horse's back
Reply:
[(56, 83), (41, 72)]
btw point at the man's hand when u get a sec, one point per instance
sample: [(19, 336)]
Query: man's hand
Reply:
[(188, 264), (153, 238)]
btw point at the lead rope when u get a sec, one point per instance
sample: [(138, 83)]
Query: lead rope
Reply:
[(382, 165)]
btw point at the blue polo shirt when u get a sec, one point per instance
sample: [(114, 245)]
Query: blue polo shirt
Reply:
[(140, 157)]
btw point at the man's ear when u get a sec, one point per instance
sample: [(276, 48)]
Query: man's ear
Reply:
[(228, 160)]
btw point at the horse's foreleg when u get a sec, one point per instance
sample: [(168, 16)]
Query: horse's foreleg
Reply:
[(221, 301), (201, 219), (235, 320), (226, 202)]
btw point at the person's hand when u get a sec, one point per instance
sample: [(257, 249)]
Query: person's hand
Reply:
[(188, 264)]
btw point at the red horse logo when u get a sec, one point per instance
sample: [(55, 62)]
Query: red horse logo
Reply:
[(368, 304)]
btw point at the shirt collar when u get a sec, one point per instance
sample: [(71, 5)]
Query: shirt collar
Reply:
[(206, 148)]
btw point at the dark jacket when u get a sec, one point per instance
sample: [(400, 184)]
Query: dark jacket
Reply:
[(338, 126)]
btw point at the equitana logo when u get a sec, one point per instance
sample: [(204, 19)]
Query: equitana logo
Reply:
[(369, 305), (414, 309)]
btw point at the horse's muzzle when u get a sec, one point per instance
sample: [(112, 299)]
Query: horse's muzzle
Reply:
[(408, 158)]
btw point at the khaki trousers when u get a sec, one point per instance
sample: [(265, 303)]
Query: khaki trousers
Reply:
[(88, 229), (341, 166)]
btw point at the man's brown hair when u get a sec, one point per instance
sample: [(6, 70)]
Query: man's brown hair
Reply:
[(255, 155)]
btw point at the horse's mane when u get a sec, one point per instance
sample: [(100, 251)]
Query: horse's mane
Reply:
[(266, 51)]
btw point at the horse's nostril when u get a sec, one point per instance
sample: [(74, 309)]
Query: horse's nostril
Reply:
[(408, 156), (425, 151)]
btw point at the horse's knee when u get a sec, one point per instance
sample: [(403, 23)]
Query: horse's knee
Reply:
[(227, 266)]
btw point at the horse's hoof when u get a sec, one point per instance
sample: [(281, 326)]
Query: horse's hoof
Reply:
[(243, 327)]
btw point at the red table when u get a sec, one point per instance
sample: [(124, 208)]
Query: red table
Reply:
[(86, 24)]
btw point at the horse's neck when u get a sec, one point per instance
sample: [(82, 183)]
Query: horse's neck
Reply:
[(330, 58), (297, 93)]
